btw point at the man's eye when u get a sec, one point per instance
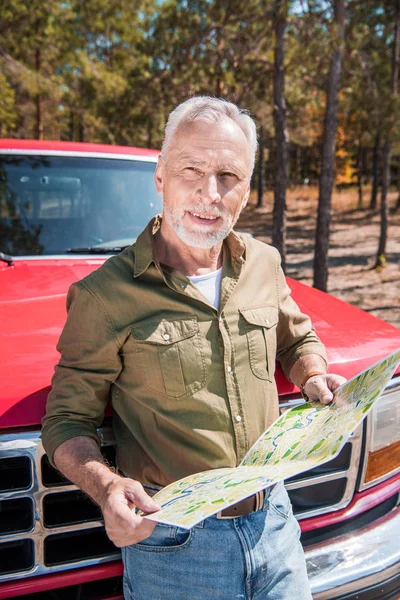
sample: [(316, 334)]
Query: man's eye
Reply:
[(227, 174)]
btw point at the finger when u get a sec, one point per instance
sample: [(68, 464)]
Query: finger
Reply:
[(142, 527), (322, 391), (142, 500), (129, 531), (335, 381), (326, 397), (122, 518), (145, 526)]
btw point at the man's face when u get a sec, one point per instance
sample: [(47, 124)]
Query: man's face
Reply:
[(205, 181)]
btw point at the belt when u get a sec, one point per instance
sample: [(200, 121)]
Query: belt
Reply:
[(241, 508), (244, 507)]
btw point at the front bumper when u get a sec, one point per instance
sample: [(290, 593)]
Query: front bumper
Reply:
[(362, 565)]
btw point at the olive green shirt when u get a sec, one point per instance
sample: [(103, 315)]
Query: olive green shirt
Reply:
[(191, 387)]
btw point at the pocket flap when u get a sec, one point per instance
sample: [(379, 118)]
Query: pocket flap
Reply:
[(165, 331), (263, 316)]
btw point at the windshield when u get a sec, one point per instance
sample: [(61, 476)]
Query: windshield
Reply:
[(52, 204)]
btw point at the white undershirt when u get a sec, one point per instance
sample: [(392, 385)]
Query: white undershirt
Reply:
[(209, 285)]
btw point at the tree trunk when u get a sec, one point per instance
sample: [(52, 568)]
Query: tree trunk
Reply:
[(149, 133), (387, 154), (281, 157), (38, 101), (328, 153), (261, 169), (81, 129), (387, 149), (72, 127), (375, 172), (360, 174), (219, 81), (298, 164), (397, 206)]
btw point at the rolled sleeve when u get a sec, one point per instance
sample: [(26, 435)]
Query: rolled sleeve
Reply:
[(89, 364), (296, 335)]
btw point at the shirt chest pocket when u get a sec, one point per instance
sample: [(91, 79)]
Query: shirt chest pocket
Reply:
[(260, 325), (170, 356)]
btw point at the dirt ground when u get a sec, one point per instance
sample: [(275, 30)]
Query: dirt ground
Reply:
[(353, 246)]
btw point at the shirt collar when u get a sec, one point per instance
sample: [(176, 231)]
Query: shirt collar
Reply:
[(145, 248), (236, 246), (146, 253)]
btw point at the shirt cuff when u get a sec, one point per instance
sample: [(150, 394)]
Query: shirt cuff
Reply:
[(289, 359), (54, 435)]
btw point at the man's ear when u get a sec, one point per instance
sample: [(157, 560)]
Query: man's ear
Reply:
[(159, 176)]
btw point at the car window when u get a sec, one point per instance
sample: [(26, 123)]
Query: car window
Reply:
[(50, 204)]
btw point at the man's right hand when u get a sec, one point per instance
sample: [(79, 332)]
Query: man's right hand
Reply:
[(123, 525), (80, 460)]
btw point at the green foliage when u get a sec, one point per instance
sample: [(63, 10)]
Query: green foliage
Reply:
[(7, 106), (113, 69)]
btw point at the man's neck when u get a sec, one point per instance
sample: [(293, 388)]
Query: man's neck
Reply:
[(188, 260)]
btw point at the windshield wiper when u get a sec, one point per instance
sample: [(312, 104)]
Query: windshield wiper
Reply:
[(6, 258), (94, 250)]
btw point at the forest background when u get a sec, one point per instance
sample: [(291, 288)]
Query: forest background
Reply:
[(319, 77)]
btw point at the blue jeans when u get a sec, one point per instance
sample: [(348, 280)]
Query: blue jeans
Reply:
[(258, 556)]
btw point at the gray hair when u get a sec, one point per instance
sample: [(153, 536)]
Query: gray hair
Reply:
[(209, 109)]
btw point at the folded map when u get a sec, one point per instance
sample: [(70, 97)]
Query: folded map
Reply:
[(302, 438)]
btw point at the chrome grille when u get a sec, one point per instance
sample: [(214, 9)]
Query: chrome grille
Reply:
[(46, 523)]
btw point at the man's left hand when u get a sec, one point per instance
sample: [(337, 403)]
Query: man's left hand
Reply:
[(320, 387)]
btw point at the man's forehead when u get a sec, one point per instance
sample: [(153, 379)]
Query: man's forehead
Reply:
[(202, 142), (210, 134), (203, 158), (195, 158)]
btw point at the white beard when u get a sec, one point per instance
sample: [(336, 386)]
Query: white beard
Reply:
[(199, 239)]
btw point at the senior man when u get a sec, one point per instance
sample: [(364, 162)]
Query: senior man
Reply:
[(181, 332)]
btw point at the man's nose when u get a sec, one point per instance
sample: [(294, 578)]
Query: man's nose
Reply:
[(209, 189)]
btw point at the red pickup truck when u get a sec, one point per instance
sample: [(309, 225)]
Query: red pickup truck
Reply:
[(64, 208)]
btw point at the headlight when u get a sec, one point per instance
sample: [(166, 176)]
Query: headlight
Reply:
[(383, 437)]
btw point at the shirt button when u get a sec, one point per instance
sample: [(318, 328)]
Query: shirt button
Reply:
[(166, 336), (229, 368), (238, 418)]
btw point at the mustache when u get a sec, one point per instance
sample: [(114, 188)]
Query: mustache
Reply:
[(204, 208)]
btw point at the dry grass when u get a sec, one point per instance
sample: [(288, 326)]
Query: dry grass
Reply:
[(353, 246)]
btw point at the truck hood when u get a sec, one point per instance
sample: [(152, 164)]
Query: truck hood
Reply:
[(32, 309)]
